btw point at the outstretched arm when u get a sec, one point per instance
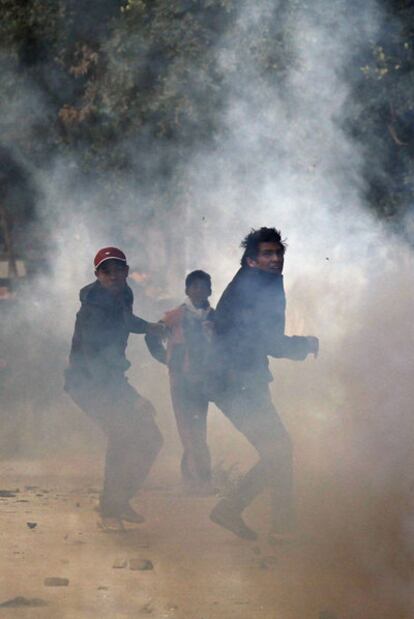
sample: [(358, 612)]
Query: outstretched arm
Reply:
[(155, 345), (294, 347), (135, 324)]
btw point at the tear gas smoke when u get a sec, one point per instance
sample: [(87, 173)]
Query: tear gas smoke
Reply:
[(282, 157)]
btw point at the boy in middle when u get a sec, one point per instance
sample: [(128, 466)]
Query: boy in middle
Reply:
[(186, 353)]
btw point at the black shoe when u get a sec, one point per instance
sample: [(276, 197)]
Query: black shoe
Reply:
[(122, 513), (225, 515), (130, 515)]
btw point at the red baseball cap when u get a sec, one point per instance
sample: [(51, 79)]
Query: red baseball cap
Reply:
[(108, 253)]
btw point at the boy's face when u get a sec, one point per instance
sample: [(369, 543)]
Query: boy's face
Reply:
[(270, 258), (112, 275), (198, 292)]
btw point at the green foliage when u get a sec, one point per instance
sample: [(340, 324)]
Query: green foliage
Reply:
[(384, 114)]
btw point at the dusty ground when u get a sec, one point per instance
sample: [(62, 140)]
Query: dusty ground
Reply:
[(354, 560), (200, 571)]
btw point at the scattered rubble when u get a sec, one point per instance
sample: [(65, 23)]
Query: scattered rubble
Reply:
[(31, 525), (7, 494), (133, 564), (147, 609), (21, 601), (140, 564), (73, 540), (55, 581), (269, 562)]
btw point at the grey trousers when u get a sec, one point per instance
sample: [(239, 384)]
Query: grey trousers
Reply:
[(248, 405), (134, 439), (190, 409)]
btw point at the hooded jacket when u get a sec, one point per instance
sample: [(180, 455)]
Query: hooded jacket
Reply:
[(102, 327), (250, 323)]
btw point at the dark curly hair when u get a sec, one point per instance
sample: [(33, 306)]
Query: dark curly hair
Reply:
[(252, 241)]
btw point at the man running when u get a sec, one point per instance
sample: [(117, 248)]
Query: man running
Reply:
[(249, 327)]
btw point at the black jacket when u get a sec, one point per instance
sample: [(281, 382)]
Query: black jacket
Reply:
[(250, 323), (102, 327)]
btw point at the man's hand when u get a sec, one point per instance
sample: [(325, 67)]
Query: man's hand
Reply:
[(157, 329), (313, 344)]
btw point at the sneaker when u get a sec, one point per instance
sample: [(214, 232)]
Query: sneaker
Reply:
[(225, 515)]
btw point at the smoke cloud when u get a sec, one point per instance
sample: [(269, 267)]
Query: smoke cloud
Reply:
[(281, 156)]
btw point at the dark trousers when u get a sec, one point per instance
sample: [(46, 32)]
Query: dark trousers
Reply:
[(248, 405), (190, 408), (134, 439)]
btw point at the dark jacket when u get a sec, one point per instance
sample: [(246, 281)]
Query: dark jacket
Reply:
[(102, 327), (250, 323)]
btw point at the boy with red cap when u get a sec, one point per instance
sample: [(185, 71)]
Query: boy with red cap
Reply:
[(96, 382)]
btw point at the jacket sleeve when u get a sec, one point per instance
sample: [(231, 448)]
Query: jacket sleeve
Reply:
[(283, 346), (156, 347), (294, 347), (134, 324)]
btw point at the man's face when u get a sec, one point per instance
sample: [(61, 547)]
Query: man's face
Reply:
[(198, 292), (112, 275), (270, 258)]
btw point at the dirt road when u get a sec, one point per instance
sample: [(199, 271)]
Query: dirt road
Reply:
[(49, 529)]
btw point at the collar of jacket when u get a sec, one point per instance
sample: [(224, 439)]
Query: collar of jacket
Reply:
[(258, 279), (200, 313), (95, 294)]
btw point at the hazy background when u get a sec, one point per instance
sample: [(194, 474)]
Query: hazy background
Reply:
[(173, 130)]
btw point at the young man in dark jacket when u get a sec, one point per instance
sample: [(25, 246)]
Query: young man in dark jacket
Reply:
[(249, 327), (96, 382), (186, 354)]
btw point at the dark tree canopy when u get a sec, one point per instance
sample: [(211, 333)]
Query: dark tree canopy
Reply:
[(113, 75)]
